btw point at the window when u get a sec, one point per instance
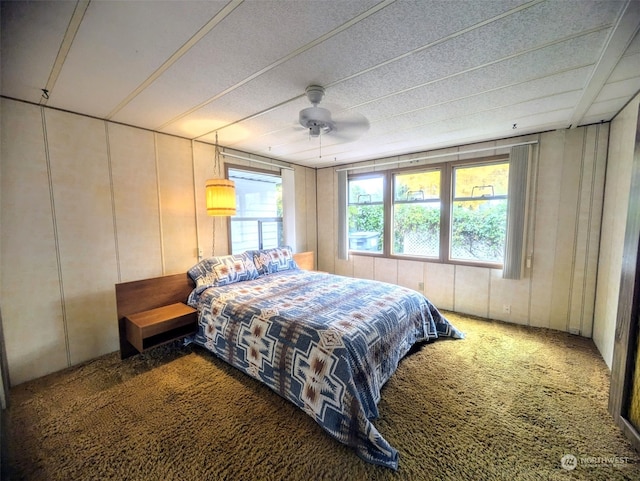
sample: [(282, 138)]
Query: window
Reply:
[(479, 212), (258, 220), (366, 213), (455, 212), (416, 213)]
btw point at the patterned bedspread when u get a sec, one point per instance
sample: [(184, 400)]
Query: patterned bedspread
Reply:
[(324, 342)]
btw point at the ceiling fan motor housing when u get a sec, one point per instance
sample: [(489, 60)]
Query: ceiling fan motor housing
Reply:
[(317, 120)]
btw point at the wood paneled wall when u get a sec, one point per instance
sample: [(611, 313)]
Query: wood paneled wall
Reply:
[(558, 290), (623, 400), (614, 225), (86, 204)]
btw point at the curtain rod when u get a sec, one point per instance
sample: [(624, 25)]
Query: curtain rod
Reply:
[(436, 156), (254, 160)]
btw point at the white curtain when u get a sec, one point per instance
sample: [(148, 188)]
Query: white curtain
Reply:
[(516, 212), (343, 242), (289, 207)]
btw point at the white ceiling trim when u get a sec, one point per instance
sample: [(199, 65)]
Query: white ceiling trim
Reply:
[(284, 59), (264, 162), (230, 7), (67, 41), (437, 156), (439, 41), (481, 111), (620, 37), (395, 59), (362, 72), (452, 101), (484, 65), (495, 89), (434, 81), (426, 74)]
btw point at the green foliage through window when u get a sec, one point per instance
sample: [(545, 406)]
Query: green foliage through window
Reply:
[(477, 220), (479, 233)]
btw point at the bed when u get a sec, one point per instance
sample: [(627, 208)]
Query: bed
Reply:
[(324, 342)]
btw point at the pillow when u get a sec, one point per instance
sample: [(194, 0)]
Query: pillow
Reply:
[(270, 261), (223, 270)]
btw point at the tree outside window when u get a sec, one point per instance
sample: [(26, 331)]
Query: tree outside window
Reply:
[(416, 213), (479, 212), (475, 212)]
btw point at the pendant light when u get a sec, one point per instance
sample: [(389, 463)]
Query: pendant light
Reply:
[(220, 193)]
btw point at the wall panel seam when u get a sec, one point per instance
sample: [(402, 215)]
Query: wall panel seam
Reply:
[(160, 226), (195, 203), (56, 237), (453, 294), (489, 282), (113, 200), (531, 229), (601, 220), (576, 232), (585, 278)]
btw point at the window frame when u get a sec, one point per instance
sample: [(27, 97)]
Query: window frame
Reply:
[(420, 169), (446, 206), (501, 159), (371, 175)]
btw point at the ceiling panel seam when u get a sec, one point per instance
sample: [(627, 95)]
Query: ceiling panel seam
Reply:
[(488, 91), (65, 46), (278, 62), (362, 72), (475, 112), (200, 34), (446, 38), (626, 26), (440, 79), (556, 124), (487, 64), (438, 104), (452, 118), (413, 52)]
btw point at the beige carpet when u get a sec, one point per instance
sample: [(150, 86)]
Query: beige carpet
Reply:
[(507, 402)]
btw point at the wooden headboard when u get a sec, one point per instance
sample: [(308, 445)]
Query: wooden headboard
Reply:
[(137, 296), (305, 260)]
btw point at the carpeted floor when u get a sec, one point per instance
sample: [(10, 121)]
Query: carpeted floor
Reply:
[(507, 402)]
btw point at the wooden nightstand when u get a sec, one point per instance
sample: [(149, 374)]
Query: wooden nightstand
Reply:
[(305, 260), (158, 326)]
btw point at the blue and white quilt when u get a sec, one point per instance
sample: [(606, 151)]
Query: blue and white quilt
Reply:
[(324, 342)]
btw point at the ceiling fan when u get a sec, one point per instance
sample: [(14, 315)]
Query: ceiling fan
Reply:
[(344, 126)]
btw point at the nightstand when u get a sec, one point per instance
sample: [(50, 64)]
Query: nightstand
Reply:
[(158, 326)]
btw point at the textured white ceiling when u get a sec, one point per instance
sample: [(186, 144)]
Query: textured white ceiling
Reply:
[(426, 74)]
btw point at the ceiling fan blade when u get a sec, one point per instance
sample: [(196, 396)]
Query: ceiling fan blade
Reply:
[(349, 126)]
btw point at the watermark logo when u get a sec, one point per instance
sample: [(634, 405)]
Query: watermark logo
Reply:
[(571, 462)]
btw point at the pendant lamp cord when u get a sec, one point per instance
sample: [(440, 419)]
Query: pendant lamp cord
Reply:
[(216, 172)]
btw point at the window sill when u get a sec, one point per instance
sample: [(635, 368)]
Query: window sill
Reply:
[(433, 260)]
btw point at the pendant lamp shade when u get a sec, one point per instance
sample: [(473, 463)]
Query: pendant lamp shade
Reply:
[(221, 197)]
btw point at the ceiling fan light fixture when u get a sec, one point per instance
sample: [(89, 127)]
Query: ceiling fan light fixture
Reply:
[(317, 120), (314, 131)]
